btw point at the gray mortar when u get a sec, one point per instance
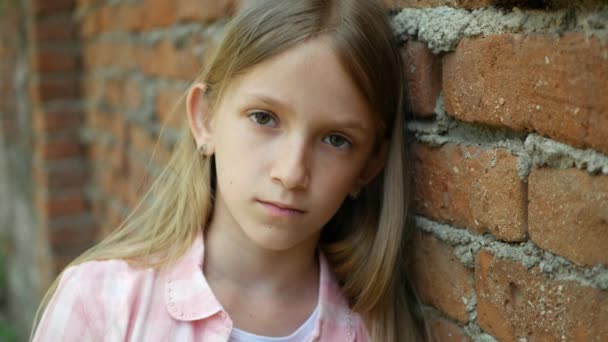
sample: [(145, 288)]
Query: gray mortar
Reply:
[(441, 28), (532, 150), (444, 130), (180, 34), (546, 152), (477, 335), (467, 245), (472, 328)]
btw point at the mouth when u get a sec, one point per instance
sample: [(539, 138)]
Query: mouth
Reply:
[(281, 209)]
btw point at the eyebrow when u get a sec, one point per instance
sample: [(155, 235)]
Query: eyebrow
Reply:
[(277, 103)]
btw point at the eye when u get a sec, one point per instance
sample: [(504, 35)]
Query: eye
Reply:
[(337, 141), (263, 118)]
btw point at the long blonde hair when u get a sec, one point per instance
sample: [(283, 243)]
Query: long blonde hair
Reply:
[(365, 241)]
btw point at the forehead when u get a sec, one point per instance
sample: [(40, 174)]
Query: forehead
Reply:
[(309, 78)]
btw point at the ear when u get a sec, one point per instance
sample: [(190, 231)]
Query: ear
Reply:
[(199, 116), (374, 165)]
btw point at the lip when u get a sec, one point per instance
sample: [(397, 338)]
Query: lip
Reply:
[(281, 209)]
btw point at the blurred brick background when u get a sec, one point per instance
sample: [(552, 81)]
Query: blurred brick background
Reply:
[(509, 148)]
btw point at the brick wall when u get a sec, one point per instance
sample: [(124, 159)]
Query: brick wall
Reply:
[(139, 57), (507, 134), (23, 244), (60, 163), (511, 167)]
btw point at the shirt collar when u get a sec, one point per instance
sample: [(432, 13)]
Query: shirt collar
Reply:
[(188, 296)]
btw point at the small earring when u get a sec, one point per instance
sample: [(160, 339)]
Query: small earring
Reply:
[(353, 194), (202, 150)]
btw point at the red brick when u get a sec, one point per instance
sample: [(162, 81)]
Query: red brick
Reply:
[(138, 181), (114, 219), (92, 86), (72, 237), (204, 10), (61, 260), (118, 151), (90, 25), (99, 120), (65, 205), (107, 18), (80, 3), (441, 279), (166, 100), (161, 155), (132, 17), (135, 190), (54, 121), (99, 209), (54, 178), (119, 127), (514, 302), (46, 6), (100, 54), (59, 149), (54, 29), (166, 60), (123, 93), (160, 13), (554, 86), (568, 214), (141, 140), (443, 330), (471, 187), (108, 181), (96, 152), (423, 76), (92, 55), (55, 60), (114, 92), (108, 226), (469, 4), (132, 94), (63, 88), (124, 56)]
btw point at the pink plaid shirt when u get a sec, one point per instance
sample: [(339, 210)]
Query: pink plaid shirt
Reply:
[(112, 301)]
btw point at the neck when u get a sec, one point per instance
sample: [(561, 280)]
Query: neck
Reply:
[(231, 257)]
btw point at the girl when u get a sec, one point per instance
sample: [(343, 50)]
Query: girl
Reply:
[(281, 214)]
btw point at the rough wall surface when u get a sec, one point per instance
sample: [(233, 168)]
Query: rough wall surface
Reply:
[(508, 146), (511, 168), (24, 245)]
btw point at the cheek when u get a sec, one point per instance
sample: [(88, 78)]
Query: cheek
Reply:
[(238, 160), (334, 183), (233, 169)]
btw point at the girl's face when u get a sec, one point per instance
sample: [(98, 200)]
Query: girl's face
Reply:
[(292, 137)]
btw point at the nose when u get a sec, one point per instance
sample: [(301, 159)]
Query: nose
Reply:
[(291, 168)]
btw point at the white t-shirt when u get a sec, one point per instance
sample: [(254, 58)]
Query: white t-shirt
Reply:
[(299, 335)]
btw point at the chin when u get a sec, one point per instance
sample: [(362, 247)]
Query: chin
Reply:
[(273, 240), (272, 244)]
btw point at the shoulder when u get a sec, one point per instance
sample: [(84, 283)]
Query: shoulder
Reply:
[(361, 331), (98, 274), (95, 268), (90, 300), (105, 281), (344, 324), (101, 268), (341, 322)]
